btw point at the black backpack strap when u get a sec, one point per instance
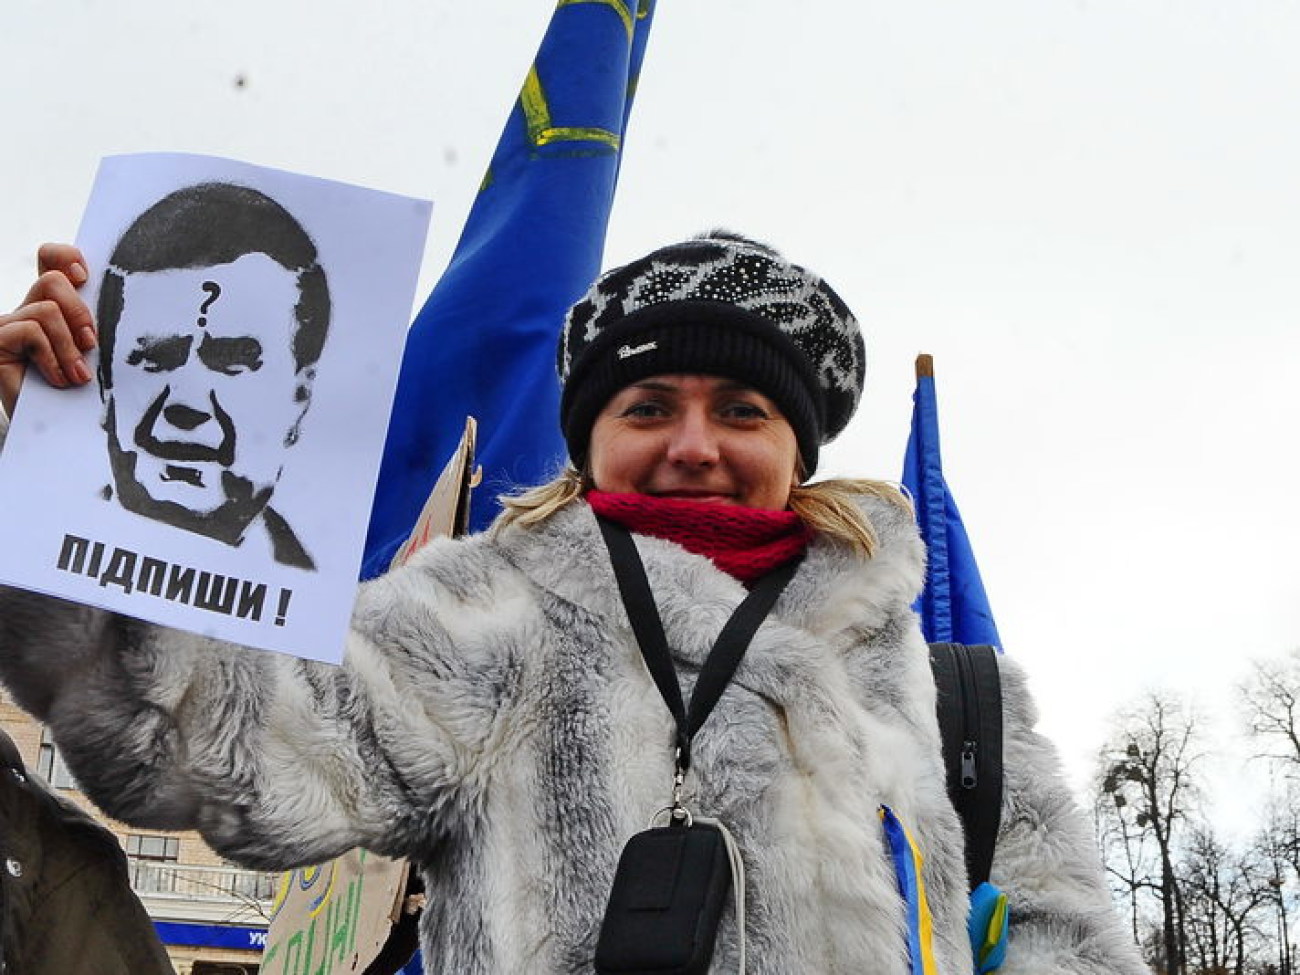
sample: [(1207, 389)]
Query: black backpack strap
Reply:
[(970, 721)]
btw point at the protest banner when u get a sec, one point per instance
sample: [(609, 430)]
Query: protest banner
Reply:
[(217, 476)]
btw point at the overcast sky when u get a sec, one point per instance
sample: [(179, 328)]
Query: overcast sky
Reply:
[(1088, 211)]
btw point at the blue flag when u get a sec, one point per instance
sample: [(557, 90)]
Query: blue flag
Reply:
[(953, 605), (484, 342)]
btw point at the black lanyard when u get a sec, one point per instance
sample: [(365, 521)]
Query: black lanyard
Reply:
[(722, 660)]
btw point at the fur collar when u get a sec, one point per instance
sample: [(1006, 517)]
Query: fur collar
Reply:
[(833, 592)]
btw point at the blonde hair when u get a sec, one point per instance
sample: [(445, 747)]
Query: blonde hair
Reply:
[(828, 507)]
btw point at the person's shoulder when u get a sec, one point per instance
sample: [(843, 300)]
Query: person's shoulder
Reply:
[(892, 518), (459, 563), (888, 579), (893, 523), (453, 595), (440, 580), (1018, 706), (57, 811)]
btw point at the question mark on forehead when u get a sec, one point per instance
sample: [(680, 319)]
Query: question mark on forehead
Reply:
[(214, 292)]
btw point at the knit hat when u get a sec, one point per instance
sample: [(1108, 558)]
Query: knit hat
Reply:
[(719, 305)]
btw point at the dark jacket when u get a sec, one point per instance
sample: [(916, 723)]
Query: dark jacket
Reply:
[(65, 898)]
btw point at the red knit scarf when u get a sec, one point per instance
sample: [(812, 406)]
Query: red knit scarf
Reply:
[(746, 543)]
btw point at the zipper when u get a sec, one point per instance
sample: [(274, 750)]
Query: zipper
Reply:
[(970, 720)]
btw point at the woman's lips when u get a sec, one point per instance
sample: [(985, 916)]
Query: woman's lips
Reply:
[(713, 496)]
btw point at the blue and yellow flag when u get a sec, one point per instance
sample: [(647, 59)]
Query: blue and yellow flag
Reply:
[(484, 342), (953, 606)]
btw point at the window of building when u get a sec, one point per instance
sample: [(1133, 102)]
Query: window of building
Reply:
[(163, 849), (51, 765)]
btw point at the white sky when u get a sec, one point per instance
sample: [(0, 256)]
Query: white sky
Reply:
[(1088, 211)]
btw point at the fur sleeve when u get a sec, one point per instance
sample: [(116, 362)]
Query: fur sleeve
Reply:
[(1063, 921), (277, 761)]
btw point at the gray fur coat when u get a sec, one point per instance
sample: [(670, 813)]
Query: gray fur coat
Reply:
[(494, 722)]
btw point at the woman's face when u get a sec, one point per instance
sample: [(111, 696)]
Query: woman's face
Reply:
[(701, 438)]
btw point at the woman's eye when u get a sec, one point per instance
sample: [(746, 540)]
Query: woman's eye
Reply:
[(643, 411), (745, 411)]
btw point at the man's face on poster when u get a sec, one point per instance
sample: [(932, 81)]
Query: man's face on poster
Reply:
[(205, 394)]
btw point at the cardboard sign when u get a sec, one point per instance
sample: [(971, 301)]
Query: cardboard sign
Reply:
[(334, 917)]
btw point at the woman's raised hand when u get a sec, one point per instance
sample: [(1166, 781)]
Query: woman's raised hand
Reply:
[(52, 328)]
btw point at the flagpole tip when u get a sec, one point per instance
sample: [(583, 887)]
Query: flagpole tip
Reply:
[(924, 366)]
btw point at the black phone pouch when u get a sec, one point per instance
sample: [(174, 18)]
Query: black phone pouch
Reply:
[(669, 892)]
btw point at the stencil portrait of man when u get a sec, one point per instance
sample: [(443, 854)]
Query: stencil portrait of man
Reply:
[(212, 316)]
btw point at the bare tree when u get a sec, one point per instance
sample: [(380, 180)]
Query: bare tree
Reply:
[(1224, 893), (1125, 855), (1147, 789), (1271, 707), (1271, 695), (1275, 847)]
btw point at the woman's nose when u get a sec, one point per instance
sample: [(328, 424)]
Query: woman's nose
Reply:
[(693, 442)]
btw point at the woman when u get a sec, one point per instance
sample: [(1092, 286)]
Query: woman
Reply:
[(495, 721)]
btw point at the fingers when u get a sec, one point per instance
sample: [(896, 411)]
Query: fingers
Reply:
[(64, 258), (62, 269), (52, 330), (51, 350), (69, 312)]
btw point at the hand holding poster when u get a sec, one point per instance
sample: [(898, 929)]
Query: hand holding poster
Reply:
[(217, 477)]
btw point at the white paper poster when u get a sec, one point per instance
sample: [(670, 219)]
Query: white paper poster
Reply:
[(218, 474)]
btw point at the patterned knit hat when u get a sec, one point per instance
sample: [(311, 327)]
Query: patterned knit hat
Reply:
[(718, 305)]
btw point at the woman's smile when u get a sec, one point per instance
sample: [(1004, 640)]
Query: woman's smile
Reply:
[(697, 438)]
